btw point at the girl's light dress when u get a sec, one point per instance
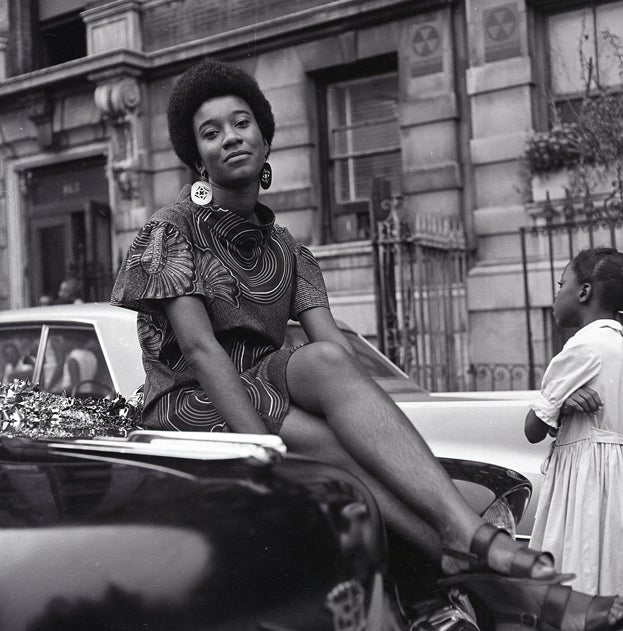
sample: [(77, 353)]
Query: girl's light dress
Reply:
[(579, 517)]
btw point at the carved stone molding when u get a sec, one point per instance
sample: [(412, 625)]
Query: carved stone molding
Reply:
[(40, 110), (117, 99), (119, 102)]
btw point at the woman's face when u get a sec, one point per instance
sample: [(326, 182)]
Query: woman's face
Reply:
[(229, 141)]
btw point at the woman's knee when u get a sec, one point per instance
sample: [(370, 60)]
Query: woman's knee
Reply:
[(328, 358)]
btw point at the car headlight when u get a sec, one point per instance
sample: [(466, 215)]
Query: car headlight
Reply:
[(499, 514)]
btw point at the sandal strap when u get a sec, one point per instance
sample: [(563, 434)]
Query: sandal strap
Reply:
[(525, 559), (555, 605), (482, 540), (551, 614), (597, 613)]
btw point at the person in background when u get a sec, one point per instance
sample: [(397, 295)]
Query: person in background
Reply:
[(19, 365), (580, 511), (10, 355), (214, 280), (70, 291), (80, 365)]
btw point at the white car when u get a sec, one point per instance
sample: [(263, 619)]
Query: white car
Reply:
[(482, 426)]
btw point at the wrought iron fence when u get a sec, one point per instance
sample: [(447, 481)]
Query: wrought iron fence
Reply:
[(560, 231), (420, 268), (503, 376)]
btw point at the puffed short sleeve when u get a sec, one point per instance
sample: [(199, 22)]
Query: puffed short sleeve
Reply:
[(160, 264), (309, 290), (575, 366)]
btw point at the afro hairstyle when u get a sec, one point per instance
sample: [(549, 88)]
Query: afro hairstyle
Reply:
[(206, 80)]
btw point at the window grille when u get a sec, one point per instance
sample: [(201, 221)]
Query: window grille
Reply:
[(580, 42)]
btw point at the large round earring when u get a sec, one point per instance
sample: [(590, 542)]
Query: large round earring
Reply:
[(266, 178), (201, 191)]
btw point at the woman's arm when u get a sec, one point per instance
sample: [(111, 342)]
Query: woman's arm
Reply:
[(211, 364), (319, 326)]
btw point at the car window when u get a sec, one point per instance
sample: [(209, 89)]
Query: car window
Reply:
[(73, 363), (18, 351)]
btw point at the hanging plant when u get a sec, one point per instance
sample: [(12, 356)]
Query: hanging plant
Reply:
[(591, 146), (562, 147)]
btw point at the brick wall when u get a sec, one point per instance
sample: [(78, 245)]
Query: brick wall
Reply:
[(186, 20)]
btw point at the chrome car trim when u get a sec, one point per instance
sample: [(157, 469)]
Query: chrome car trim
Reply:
[(258, 448)]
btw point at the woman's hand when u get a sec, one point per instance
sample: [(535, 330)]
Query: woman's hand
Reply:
[(212, 366), (584, 400)]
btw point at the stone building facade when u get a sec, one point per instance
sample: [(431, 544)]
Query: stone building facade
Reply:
[(437, 96)]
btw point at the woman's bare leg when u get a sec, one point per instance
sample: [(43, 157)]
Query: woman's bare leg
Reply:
[(323, 378), (309, 435)]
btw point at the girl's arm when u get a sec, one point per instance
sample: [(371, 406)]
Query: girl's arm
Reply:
[(212, 366), (584, 400), (534, 428)]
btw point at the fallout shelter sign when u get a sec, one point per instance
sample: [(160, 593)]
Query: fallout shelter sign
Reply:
[(426, 50), (501, 32)]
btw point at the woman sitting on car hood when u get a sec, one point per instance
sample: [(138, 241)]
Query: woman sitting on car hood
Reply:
[(215, 280)]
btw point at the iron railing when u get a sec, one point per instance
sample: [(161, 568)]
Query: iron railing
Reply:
[(560, 231), (420, 268)]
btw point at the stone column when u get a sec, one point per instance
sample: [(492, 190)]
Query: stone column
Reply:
[(20, 41), (4, 38), (499, 88), (429, 115)]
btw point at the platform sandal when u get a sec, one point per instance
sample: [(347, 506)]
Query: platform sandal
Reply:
[(522, 564), (542, 606)]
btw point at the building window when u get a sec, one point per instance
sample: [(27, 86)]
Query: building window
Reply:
[(581, 48), (61, 39), (363, 143), (59, 33)]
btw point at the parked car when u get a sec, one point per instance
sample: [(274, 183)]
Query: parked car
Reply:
[(222, 532), (483, 427)]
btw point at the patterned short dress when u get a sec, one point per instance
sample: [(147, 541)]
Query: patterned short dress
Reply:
[(252, 280)]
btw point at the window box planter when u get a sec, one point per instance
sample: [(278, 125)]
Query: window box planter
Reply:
[(556, 182), (553, 183)]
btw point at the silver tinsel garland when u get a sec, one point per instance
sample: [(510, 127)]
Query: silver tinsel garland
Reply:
[(27, 411)]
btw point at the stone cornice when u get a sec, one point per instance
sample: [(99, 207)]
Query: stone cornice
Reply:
[(110, 9), (320, 21), (88, 68), (332, 18)]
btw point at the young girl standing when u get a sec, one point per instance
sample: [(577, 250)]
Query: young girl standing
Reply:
[(580, 512)]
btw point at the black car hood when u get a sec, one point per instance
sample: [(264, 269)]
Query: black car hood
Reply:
[(102, 542)]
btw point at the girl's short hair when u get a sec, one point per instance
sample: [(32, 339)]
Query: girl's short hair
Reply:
[(603, 269), (206, 80)]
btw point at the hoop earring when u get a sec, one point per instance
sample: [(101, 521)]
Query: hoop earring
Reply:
[(266, 177), (201, 191)]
